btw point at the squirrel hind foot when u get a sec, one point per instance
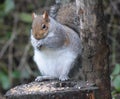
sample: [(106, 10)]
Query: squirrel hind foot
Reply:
[(63, 78), (47, 78), (44, 78)]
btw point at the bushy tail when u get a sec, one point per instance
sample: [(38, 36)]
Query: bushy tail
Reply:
[(66, 14)]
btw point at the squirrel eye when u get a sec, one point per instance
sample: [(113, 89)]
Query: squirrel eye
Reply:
[(43, 26)]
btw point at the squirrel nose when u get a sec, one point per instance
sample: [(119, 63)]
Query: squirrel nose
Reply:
[(38, 36), (35, 35)]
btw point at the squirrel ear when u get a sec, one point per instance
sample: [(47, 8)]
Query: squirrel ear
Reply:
[(45, 15), (33, 15)]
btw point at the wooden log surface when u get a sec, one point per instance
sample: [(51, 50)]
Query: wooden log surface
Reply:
[(54, 90)]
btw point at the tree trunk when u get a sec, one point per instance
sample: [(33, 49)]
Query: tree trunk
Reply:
[(95, 49)]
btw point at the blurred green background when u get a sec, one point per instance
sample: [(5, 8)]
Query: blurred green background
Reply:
[(16, 63)]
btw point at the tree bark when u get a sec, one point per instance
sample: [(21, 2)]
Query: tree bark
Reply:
[(95, 49)]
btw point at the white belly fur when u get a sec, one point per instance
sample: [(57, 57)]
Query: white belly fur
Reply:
[(54, 63)]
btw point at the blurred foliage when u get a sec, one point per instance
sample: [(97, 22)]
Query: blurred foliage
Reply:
[(15, 22), (115, 77), (4, 79), (25, 17), (16, 63), (9, 5), (112, 17)]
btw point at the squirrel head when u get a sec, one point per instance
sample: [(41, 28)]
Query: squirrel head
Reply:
[(40, 25)]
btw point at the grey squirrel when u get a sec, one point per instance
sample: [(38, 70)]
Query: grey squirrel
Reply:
[(56, 47)]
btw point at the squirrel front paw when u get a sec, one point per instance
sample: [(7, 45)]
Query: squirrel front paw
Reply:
[(39, 46)]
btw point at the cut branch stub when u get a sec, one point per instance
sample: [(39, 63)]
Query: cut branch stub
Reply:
[(54, 90)]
